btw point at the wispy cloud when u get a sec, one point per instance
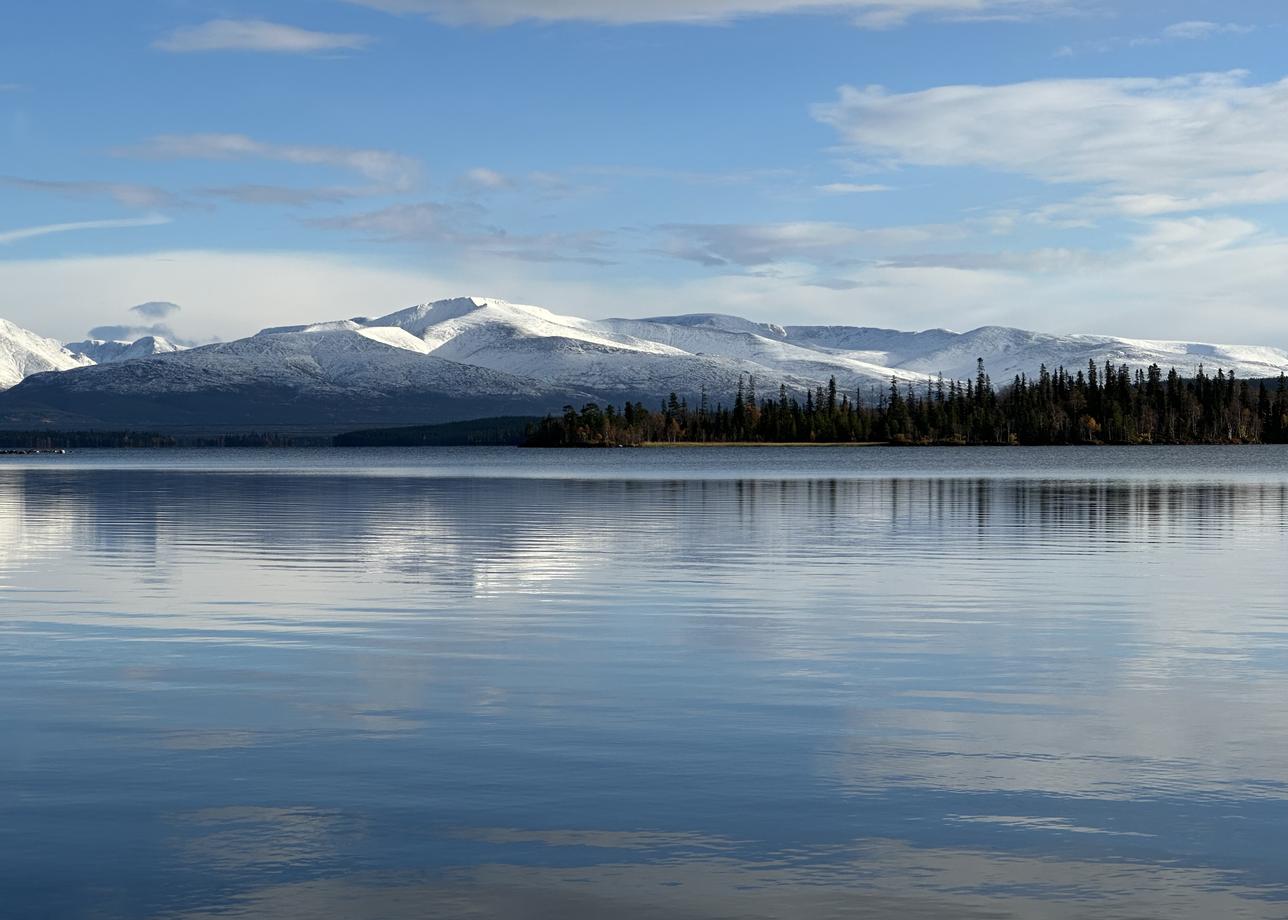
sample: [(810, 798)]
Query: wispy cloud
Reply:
[(257, 35), (487, 179), (426, 220), (1196, 29), (11, 87), (819, 242), (547, 185), (875, 14), (288, 196), (1146, 146), (392, 171), (689, 177), (1191, 30), (462, 226), (128, 194), (26, 233)]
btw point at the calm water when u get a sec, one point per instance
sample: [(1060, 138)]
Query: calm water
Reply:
[(645, 684)]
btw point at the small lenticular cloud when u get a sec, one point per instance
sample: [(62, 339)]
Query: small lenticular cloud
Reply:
[(156, 309)]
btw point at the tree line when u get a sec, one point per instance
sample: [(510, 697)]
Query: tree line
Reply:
[(1098, 405), (78, 440)]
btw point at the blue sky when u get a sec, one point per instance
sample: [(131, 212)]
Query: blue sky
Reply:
[(1066, 165)]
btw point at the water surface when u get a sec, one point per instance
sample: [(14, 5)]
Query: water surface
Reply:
[(796, 683)]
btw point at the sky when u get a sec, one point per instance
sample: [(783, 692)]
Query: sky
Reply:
[(205, 168)]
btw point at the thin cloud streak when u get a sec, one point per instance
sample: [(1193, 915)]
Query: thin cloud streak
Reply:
[(851, 188), (26, 233)]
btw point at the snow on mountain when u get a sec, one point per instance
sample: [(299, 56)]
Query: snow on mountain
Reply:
[(471, 357), (626, 359), (649, 358), (109, 352), (24, 353), (1007, 352), (331, 374)]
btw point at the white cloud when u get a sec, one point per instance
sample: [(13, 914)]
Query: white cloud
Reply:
[(1166, 239), (1197, 29), (876, 14), (488, 179), (11, 87), (26, 233), (1147, 146), (257, 35), (851, 188), (128, 332), (392, 170)]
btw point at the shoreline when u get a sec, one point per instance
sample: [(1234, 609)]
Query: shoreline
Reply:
[(666, 444)]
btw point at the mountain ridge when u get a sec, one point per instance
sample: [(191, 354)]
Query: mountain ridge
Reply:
[(434, 361)]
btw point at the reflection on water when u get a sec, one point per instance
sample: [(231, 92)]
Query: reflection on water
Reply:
[(231, 694)]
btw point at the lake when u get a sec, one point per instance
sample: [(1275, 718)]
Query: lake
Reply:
[(696, 683)]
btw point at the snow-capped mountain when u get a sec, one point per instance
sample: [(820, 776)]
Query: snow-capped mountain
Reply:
[(327, 375), (109, 352), (655, 356), (1008, 352), (471, 357), (618, 359), (24, 353)]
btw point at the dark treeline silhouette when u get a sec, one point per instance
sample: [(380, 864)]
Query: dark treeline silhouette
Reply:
[(1101, 405), (508, 430), (68, 440)]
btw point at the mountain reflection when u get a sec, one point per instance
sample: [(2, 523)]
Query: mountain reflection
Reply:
[(500, 533), (275, 695)]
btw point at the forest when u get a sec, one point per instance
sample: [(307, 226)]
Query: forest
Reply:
[(1098, 405)]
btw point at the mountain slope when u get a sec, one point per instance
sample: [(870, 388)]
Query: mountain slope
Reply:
[(23, 353), (327, 376)]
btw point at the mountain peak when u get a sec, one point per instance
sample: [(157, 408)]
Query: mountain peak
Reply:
[(23, 353)]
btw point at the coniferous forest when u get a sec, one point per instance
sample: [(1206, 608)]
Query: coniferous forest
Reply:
[(1099, 405)]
